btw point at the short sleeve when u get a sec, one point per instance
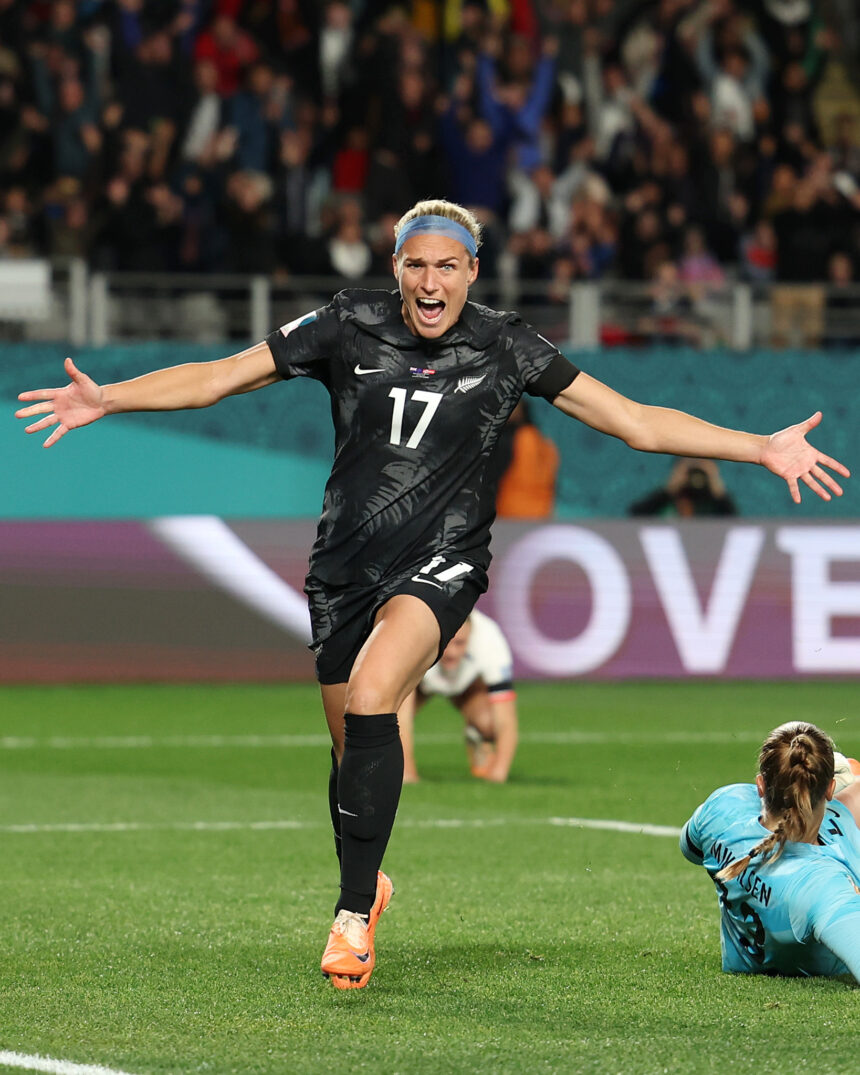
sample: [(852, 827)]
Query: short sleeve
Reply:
[(691, 842), (305, 346), (544, 369)]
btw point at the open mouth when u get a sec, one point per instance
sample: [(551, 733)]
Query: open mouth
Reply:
[(430, 310)]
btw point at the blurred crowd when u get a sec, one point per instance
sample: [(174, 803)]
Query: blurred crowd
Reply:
[(675, 141)]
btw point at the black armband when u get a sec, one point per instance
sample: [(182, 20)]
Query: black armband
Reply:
[(558, 375)]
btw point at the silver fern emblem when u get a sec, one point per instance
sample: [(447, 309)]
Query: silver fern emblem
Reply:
[(465, 384)]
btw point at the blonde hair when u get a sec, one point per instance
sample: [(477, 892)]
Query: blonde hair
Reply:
[(796, 766), (441, 207)]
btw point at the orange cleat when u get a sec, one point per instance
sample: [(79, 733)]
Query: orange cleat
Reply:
[(349, 956)]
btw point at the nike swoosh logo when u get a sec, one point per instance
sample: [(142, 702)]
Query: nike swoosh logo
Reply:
[(361, 958), (417, 578), (359, 372), (348, 813)]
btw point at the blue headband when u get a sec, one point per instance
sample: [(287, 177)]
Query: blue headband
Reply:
[(437, 225)]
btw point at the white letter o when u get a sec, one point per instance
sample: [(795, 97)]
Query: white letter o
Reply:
[(611, 600)]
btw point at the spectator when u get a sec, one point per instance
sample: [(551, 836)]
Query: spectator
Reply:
[(694, 488), (539, 203), (286, 32), (698, 268), (349, 253), (845, 145), (719, 184), (351, 163), (587, 136), (335, 42), (644, 240), (758, 253), (842, 324), (199, 239), (528, 482), (249, 224), (381, 234), (230, 49), (735, 78), (297, 190), (407, 137), (70, 107), (259, 113), (515, 108), (805, 236), (18, 214), (615, 123), (66, 219), (136, 223), (703, 279), (672, 318), (477, 160), (151, 79), (204, 118)]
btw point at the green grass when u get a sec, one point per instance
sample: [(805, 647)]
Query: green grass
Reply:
[(512, 944)]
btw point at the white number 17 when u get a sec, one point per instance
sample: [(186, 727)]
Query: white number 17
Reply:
[(431, 401)]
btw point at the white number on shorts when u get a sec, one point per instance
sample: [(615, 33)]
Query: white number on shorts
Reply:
[(449, 573)]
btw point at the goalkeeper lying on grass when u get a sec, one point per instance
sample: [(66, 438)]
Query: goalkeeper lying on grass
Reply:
[(784, 854)]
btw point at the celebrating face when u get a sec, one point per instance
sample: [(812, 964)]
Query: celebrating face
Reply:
[(434, 273)]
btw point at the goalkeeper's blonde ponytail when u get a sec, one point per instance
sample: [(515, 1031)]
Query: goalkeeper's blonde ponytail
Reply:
[(796, 766)]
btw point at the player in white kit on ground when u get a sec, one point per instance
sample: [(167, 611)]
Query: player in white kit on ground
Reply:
[(476, 672)]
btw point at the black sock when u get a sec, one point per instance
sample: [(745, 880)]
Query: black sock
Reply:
[(368, 791), (332, 803)]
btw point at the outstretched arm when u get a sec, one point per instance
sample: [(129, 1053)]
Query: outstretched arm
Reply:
[(787, 453), (191, 385), (506, 729)]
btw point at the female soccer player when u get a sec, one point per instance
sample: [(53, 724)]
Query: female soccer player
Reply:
[(422, 381), (785, 857), (476, 673)]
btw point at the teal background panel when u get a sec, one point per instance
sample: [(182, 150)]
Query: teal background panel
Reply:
[(268, 453)]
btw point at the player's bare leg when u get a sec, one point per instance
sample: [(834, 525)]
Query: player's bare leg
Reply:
[(403, 644), (401, 647), (406, 721)]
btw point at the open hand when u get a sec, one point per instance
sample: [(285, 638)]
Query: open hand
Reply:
[(78, 404), (790, 456)]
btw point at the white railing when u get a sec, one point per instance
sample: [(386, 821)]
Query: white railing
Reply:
[(99, 308)]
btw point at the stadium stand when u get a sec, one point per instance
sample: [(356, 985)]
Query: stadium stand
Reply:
[(664, 151)]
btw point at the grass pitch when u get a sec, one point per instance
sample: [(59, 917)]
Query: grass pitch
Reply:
[(167, 879)]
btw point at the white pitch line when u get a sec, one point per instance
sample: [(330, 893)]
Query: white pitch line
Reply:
[(53, 1067), (616, 826), (605, 824), (231, 742), (150, 742)]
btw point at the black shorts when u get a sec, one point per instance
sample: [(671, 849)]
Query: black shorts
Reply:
[(342, 616)]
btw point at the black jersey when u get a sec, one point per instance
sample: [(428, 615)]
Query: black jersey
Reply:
[(416, 422)]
